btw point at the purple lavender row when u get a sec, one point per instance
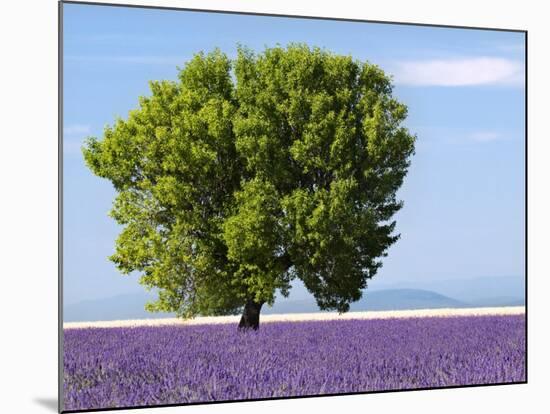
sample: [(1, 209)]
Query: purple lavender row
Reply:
[(118, 367)]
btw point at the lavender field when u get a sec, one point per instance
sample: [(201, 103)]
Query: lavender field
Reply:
[(118, 367)]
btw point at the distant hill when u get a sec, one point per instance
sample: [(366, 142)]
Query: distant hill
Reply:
[(480, 291), (475, 292), (390, 299), (132, 306), (129, 306), (499, 301)]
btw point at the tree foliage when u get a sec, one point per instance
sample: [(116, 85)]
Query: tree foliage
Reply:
[(245, 174)]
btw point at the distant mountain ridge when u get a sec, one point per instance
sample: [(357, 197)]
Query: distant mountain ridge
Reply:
[(389, 299), (480, 292), (130, 306), (471, 290)]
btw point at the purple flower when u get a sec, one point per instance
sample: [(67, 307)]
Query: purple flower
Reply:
[(120, 367)]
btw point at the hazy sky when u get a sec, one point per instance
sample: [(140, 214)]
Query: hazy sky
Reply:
[(464, 194)]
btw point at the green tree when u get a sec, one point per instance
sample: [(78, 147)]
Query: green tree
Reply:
[(244, 175)]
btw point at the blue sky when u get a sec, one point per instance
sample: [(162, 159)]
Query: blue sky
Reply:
[(464, 194)]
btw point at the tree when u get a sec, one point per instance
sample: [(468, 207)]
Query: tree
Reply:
[(244, 175)]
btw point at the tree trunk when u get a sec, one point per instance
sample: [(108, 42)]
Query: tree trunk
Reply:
[(251, 316)]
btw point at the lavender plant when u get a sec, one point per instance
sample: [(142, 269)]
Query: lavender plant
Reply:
[(121, 367)]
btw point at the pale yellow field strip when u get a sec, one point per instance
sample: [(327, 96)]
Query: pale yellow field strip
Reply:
[(297, 317)]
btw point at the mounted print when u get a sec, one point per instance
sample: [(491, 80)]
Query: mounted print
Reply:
[(261, 206)]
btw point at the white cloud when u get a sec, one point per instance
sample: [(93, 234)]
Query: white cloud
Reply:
[(72, 147), (77, 129), (123, 38), (485, 136), (73, 138), (130, 59), (460, 72)]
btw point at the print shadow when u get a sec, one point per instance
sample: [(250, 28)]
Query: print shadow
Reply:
[(49, 403)]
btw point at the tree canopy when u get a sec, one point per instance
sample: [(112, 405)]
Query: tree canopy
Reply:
[(245, 174)]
